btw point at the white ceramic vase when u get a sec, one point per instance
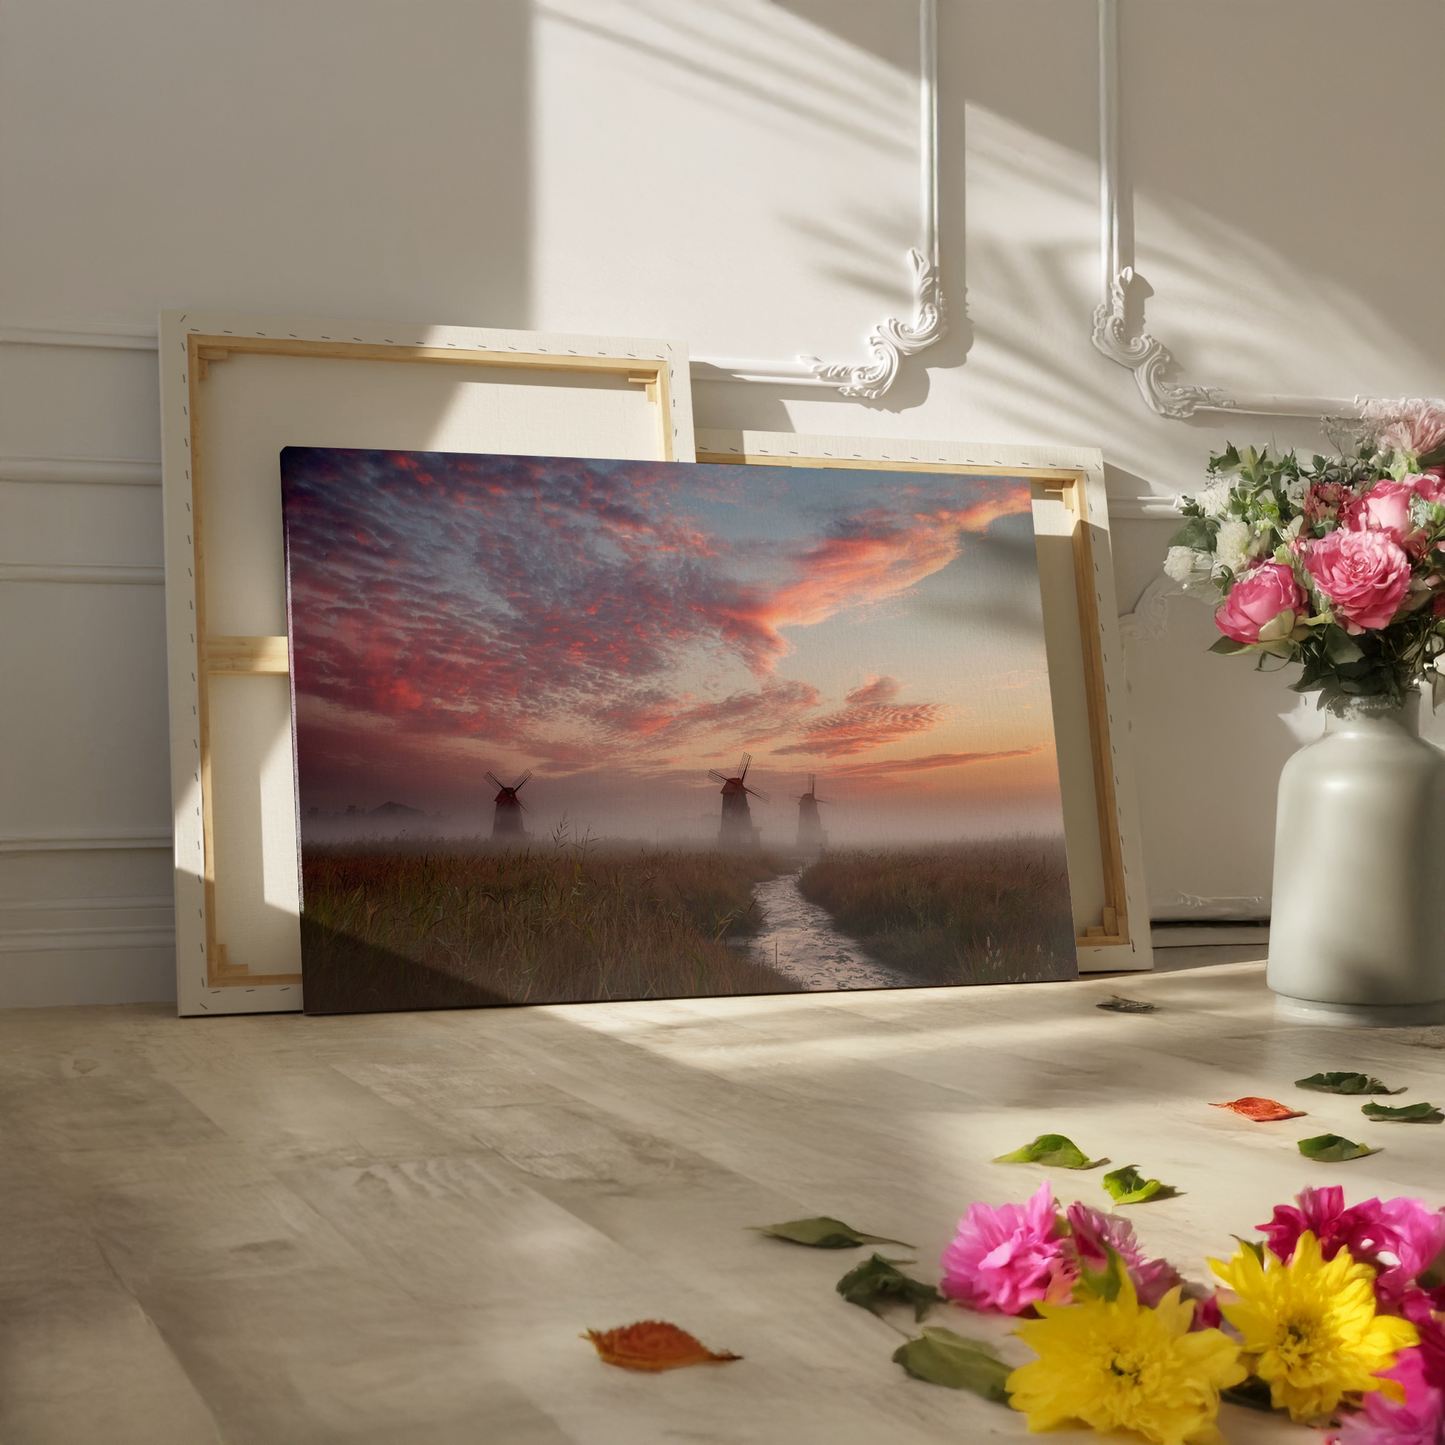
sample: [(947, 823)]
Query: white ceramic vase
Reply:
[(1357, 925)]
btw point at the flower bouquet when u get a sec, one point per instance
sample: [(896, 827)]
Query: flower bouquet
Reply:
[(1338, 564), (1332, 1318)]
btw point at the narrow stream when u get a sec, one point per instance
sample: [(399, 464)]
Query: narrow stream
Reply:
[(798, 939)]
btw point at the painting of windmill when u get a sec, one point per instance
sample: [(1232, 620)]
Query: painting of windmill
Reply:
[(811, 837), (550, 714), (735, 830), (507, 820)]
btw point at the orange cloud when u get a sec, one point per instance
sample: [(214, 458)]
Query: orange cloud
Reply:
[(934, 760)]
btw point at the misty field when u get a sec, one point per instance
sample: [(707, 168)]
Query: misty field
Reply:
[(994, 912), (437, 924)]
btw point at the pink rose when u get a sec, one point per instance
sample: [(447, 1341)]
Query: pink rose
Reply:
[(1364, 574), (1258, 598), (1384, 508)]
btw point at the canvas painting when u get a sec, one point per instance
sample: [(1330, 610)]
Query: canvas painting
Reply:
[(577, 730)]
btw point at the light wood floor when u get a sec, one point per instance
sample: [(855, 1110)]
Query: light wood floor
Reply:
[(390, 1229)]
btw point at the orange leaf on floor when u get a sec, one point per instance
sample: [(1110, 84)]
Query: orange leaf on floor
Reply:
[(653, 1345), (1262, 1111)]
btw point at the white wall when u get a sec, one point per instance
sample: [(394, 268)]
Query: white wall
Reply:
[(738, 173)]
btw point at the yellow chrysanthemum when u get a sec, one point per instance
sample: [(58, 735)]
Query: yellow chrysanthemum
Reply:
[(1312, 1324), (1116, 1365)]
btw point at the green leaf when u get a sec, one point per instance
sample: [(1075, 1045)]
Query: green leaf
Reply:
[(1227, 647), (1343, 1083), (1406, 1114), (1333, 1149), (824, 1233), (1129, 1186), (944, 1358), (1340, 646), (1050, 1149), (876, 1280), (1196, 533)]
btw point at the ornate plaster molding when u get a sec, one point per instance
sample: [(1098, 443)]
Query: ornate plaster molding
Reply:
[(1150, 618), (1119, 325), (891, 340)]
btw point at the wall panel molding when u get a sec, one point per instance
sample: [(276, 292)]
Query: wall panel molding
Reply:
[(95, 573), (81, 471), (1119, 325), (88, 840), (106, 338)]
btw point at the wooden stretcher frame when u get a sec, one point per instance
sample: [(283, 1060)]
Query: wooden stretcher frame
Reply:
[(1075, 477), (191, 344)]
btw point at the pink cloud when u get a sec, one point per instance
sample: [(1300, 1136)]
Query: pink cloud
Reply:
[(871, 719)]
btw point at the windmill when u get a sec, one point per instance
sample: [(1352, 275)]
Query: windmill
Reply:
[(811, 837), (507, 822), (736, 829)]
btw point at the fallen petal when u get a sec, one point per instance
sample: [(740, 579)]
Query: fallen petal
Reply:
[(653, 1345), (1262, 1111)]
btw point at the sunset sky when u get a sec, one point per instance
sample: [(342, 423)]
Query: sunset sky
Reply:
[(622, 627)]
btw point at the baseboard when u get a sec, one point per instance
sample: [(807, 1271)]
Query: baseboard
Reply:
[(1203, 935)]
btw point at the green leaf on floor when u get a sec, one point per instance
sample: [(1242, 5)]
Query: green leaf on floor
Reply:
[(824, 1233), (1118, 1004), (1129, 1186), (1345, 1083), (944, 1358), (1333, 1149), (876, 1280), (1050, 1149), (1405, 1114)]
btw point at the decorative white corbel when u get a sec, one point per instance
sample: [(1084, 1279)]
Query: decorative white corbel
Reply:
[(890, 340)]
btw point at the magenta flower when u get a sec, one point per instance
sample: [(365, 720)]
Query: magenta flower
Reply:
[(1418, 1419), (1398, 1237), (1009, 1258), (1091, 1231)]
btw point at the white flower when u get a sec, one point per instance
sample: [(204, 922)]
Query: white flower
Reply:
[(1231, 546), (1293, 530), (1180, 563), (1296, 490), (1214, 499)]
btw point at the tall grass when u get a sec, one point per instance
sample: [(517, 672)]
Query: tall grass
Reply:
[(993, 912), (435, 924)]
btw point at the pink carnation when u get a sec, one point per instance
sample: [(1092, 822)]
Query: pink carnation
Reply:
[(1009, 1258), (1409, 425), (1324, 499), (1258, 598), (1364, 574), (1091, 1230)]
